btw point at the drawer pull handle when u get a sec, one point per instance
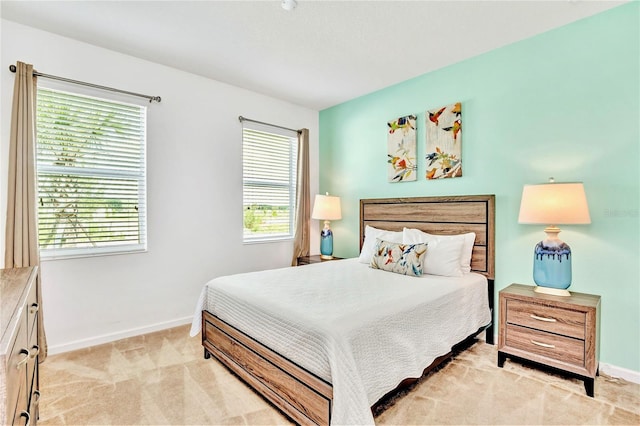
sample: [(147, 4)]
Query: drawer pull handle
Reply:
[(542, 318), (34, 308), (35, 350), (24, 360), (544, 345), (26, 415)]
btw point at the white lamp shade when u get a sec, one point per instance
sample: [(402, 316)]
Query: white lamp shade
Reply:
[(554, 204), (326, 207)]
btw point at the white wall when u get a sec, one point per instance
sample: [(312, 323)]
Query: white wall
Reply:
[(194, 192)]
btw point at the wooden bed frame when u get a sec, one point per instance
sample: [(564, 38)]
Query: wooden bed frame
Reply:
[(303, 396)]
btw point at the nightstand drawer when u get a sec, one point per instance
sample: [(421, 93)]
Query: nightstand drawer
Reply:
[(548, 318), (549, 345)]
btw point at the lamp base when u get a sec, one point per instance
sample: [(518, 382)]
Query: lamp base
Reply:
[(552, 291), (552, 264), (326, 242)]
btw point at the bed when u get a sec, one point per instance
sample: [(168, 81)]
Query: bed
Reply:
[(323, 359)]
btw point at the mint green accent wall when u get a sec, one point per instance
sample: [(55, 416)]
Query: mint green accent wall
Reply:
[(564, 104)]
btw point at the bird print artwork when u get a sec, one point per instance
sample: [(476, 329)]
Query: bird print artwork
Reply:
[(444, 142), (401, 149), (457, 126), (403, 123), (433, 116)]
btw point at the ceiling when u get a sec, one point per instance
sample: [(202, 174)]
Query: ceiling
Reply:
[(318, 55)]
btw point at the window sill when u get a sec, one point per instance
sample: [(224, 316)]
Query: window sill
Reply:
[(267, 240), (61, 255)]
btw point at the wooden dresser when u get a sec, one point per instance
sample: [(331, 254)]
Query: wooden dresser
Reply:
[(556, 331), (19, 395)]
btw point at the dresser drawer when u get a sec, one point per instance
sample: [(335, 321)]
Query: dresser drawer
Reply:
[(21, 414), (548, 318), (549, 345), (18, 345), (16, 368)]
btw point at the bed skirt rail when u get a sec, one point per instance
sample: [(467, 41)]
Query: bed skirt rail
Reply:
[(302, 396)]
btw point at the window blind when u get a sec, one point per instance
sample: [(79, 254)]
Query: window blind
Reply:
[(269, 158), (91, 174)]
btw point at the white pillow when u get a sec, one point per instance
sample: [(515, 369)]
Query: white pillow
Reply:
[(445, 249), (467, 251), (443, 255), (369, 244)]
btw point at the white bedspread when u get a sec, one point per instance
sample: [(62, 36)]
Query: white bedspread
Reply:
[(363, 330)]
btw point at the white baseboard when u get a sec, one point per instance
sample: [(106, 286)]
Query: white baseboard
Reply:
[(623, 373), (111, 337)]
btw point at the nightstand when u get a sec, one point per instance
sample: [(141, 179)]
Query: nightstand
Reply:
[(555, 331), (308, 260)]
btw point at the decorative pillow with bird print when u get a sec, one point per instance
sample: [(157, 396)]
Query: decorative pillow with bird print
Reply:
[(406, 259)]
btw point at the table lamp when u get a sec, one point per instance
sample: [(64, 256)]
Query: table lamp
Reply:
[(326, 207), (553, 204)]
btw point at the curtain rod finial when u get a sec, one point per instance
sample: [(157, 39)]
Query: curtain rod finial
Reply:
[(12, 68)]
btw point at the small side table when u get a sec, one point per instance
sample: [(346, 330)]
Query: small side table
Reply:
[(308, 260), (561, 332)]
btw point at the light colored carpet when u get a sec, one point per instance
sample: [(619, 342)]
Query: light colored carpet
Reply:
[(162, 378)]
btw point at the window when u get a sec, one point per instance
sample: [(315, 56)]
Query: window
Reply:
[(91, 175), (269, 182)]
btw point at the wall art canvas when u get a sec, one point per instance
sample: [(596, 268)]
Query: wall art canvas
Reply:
[(444, 142), (401, 149)]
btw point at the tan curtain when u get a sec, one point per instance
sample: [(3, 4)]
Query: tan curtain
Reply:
[(301, 241), (21, 245)]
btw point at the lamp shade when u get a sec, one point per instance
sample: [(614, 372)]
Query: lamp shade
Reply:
[(326, 207), (554, 204)]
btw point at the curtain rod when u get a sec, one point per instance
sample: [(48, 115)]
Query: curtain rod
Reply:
[(241, 119), (13, 69)]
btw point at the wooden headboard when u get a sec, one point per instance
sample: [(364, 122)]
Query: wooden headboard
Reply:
[(448, 215)]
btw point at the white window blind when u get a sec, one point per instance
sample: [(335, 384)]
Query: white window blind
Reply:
[(91, 175), (269, 156)]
